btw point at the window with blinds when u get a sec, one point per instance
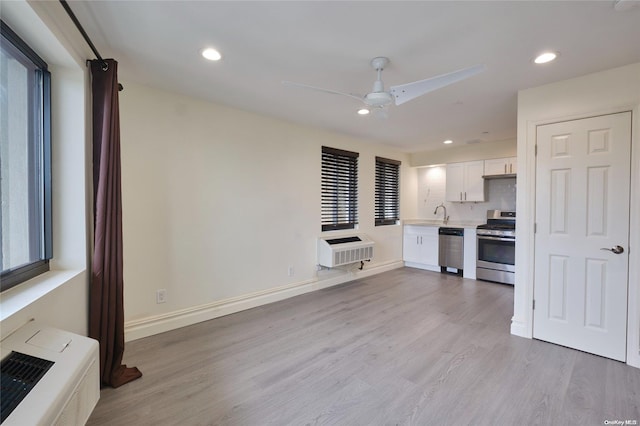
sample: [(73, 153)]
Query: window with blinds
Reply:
[(339, 189), (387, 204)]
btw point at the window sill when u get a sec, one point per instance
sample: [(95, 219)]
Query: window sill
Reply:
[(17, 298)]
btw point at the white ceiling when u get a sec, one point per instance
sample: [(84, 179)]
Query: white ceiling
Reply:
[(330, 44)]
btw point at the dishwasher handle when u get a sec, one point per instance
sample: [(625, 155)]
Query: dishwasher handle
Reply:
[(456, 232)]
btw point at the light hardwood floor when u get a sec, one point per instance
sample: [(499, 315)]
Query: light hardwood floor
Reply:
[(406, 347)]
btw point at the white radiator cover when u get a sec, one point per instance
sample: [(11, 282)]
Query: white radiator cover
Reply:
[(332, 255), (70, 389)]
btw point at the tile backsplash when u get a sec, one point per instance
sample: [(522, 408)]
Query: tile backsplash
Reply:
[(500, 194)]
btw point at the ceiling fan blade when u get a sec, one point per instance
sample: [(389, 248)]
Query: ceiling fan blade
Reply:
[(406, 92), (320, 89)]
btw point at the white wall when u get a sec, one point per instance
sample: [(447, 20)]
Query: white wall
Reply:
[(206, 214), (58, 298), (219, 203), (606, 92), (465, 152), (499, 194)]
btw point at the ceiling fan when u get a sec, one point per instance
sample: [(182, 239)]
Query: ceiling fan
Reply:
[(379, 99)]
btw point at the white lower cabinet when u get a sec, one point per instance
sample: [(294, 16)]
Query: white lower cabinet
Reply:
[(420, 247)]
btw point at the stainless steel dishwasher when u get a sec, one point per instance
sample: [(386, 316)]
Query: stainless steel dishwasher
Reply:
[(451, 249)]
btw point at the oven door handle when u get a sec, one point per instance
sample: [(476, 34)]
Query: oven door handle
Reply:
[(484, 237)]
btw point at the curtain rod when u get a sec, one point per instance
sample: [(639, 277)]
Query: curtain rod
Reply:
[(78, 25), (82, 31)]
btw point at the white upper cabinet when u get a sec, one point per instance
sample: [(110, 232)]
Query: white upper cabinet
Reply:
[(454, 182), (500, 166), (465, 182)]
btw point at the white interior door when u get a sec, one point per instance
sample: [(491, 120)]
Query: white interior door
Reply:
[(582, 211)]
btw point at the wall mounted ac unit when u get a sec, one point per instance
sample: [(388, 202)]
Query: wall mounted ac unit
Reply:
[(68, 388), (343, 250)]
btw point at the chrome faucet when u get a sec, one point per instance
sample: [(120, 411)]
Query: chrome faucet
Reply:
[(445, 218)]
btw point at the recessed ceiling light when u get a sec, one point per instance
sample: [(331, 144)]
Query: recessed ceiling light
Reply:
[(545, 57), (447, 142), (211, 54), (363, 111)]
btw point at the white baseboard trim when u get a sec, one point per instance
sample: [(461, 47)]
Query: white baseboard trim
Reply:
[(423, 266), (137, 329), (519, 328)]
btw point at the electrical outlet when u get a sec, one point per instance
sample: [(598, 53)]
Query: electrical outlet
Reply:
[(290, 271), (161, 295)]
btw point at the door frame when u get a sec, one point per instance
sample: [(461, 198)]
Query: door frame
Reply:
[(522, 321)]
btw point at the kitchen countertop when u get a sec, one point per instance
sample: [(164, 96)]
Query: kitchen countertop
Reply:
[(451, 224)]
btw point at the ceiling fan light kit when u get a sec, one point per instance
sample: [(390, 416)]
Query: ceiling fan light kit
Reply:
[(379, 98)]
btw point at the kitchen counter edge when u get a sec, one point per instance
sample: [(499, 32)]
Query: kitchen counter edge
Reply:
[(438, 223)]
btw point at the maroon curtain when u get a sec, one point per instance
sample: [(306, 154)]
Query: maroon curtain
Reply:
[(106, 311)]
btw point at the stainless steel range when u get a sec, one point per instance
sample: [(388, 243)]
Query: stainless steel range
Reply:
[(497, 247)]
